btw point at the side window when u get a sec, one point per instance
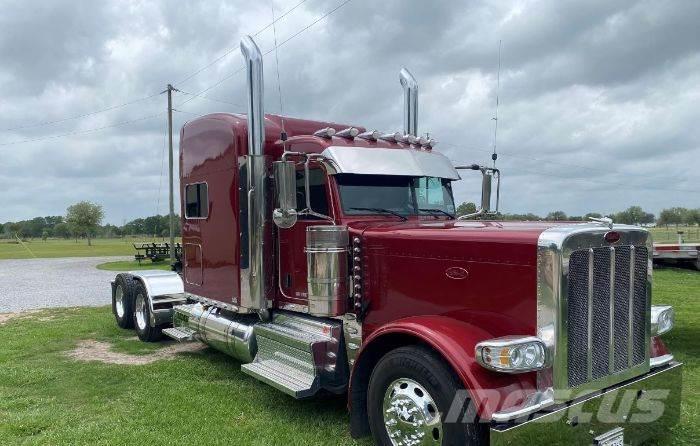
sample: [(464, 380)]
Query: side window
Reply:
[(317, 187), (196, 200)]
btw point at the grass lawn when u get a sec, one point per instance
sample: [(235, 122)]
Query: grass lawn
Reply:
[(133, 265), (662, 234), (10, 249), (202, 397)]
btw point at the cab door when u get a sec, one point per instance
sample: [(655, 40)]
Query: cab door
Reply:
[(292, 241)]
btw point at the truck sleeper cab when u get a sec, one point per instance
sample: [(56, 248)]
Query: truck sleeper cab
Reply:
[(327, 257)]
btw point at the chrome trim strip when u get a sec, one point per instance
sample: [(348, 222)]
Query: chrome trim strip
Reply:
[(658, 361), (534, 403)]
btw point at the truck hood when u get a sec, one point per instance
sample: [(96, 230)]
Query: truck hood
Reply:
[(480, 272), (490, 241)]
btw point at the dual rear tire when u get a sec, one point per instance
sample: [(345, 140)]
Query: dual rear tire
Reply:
[(131, 308)]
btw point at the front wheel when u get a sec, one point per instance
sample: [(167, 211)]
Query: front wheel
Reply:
[(142, 316), (411, 392)]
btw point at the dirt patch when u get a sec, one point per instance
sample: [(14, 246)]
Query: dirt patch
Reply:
[(92, 350), (6, 317)]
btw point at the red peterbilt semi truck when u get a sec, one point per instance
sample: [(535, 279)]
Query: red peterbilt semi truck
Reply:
[(327, 258)]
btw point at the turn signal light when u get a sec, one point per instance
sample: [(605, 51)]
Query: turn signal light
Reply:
[(512, 354), (662, 319)]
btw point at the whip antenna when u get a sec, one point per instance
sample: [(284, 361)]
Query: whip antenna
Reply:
[(494, 156), (283, 136)]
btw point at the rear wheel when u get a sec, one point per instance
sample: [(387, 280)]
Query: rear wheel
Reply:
[(123, 300), (142, 316), (411, 392)]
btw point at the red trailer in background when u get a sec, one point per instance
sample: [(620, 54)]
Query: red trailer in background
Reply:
[(328, 258)]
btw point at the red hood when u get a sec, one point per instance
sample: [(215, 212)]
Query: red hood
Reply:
[(478, 240)]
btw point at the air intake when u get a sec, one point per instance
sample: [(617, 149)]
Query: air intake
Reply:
[(410, 102)]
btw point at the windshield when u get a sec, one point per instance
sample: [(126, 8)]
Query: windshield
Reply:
[(385, 194)]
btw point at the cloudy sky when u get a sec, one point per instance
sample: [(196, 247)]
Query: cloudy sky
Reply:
[(599, 100)]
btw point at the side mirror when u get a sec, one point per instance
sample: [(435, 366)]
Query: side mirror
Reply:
[(486, 182), (285, 216)]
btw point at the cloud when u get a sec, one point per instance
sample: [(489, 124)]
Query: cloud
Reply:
[(598, 98)]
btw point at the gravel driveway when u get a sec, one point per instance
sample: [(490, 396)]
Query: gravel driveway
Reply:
[(66, 282)]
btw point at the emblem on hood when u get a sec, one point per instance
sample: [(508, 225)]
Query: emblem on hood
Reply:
[(456, 273)]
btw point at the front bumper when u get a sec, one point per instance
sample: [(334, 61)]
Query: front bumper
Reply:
[(645, 407)]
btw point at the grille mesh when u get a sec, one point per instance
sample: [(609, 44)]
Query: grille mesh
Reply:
[(578, 318), (605, 292)]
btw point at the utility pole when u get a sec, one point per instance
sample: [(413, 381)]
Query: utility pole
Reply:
[(171, 174)]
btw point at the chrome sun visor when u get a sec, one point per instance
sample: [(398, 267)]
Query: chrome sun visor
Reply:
[(384, 161)]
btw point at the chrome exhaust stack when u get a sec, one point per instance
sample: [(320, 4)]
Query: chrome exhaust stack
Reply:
[(410, 102), (254, 272)]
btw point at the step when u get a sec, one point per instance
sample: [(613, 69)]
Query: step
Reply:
[(290, 335), (180, 334), (283, 377)]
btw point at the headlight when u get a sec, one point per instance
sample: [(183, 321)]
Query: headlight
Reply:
[(662, 317), (512, 354)]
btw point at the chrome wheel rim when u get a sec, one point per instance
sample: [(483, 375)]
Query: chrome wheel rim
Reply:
[(411, 416), (119, 301), (140, 312)]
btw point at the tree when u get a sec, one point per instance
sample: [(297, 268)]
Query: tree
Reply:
[(84, 218), (556, 216), (44, 234), (673, 216), (61, 230), (466, 208)]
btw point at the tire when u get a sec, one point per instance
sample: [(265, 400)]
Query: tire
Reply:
[(142, 316), (123, 300), (415, 377)]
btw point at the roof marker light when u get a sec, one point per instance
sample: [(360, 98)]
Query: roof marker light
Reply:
[(370, 136), (349, 133), (392, 137), (325, 132)]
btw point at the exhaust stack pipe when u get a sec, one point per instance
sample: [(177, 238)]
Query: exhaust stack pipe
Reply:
[(410, 102), (254, 272)]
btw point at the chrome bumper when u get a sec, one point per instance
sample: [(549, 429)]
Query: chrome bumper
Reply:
[(645, 407)]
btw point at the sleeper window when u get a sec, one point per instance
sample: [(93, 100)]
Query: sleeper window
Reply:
[(196, 201)]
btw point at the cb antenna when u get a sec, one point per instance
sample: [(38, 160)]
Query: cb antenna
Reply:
[(494, 156), (283, 136)]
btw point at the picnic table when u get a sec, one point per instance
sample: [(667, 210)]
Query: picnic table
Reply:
[(156, 252)]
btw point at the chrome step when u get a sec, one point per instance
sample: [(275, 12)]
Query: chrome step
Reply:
[(296, 354), (180, 334), (283, 377)]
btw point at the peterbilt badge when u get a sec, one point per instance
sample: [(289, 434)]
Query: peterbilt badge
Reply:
[(456, 273)]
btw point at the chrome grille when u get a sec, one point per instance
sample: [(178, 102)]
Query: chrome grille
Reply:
[(607, 300)]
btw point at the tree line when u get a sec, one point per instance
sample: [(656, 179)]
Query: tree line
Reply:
[(633, 215), (84, 220)]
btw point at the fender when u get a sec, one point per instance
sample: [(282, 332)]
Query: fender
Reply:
[(455, 340), (165, 284), (159, 283)]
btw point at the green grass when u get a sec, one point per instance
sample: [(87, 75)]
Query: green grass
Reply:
[(133, 265), (203, 398), (663, 234), (10, 249)]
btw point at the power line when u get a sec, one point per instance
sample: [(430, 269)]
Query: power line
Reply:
[(592, 181), (301, 31), (231, 50), (84, 115), (559, 163), (208, 98), (81, 132)]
